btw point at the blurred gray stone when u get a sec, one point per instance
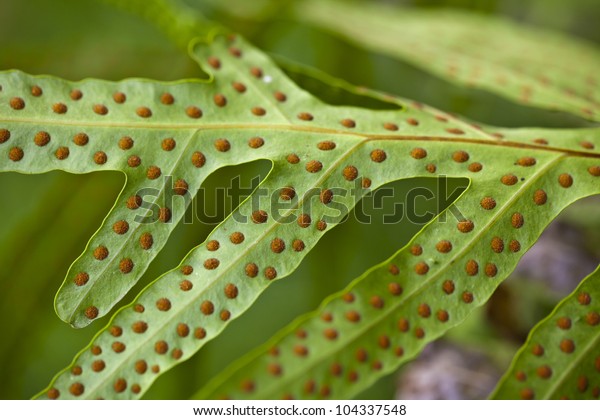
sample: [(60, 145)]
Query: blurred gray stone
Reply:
[(446, 372), (558, 259)]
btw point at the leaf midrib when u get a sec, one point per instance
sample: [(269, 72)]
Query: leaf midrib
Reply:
[(323, 130)]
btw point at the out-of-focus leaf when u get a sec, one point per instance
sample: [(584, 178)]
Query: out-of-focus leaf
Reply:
[(531, 66)]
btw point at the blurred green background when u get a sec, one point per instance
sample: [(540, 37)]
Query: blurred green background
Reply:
[(47, 219)]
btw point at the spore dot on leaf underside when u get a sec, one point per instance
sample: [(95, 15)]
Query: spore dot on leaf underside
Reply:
[(350, 173), (465, 226), (378, 155), (237, 238), (475, 167), (258, 111), (59, 108), (220, 100), (193, 112), (186, 285), (467, 297), (76, 94), (565, 180), (36, 91), (222, 145), (509, 179), (594, 170), (139, 327), (62, 153), (119, 97), (540, 197), (488, 203), (168, 144), (16, 154), (4, 135), (526, 161), (91, 312), (42, 138), (81, 139), (448, 287), (256, 142), (100, 109), (17, 103), (314, 166), (326, 145), (76, 389), (348, 123), (444, 246), (126, 265), (460, 156), (231, 291), (167, 99), (270, 273), (418, 153), (100, 158)]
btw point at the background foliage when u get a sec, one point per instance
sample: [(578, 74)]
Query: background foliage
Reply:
[(46, 220)]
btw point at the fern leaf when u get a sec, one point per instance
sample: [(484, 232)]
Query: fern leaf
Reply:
[(388, 315), (325, 158), (529, 66), (560, 358)]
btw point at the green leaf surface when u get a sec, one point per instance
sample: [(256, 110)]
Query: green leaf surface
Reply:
[(561, 358), (531, 66), (98, 132), (389, 314), (313, 148)]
